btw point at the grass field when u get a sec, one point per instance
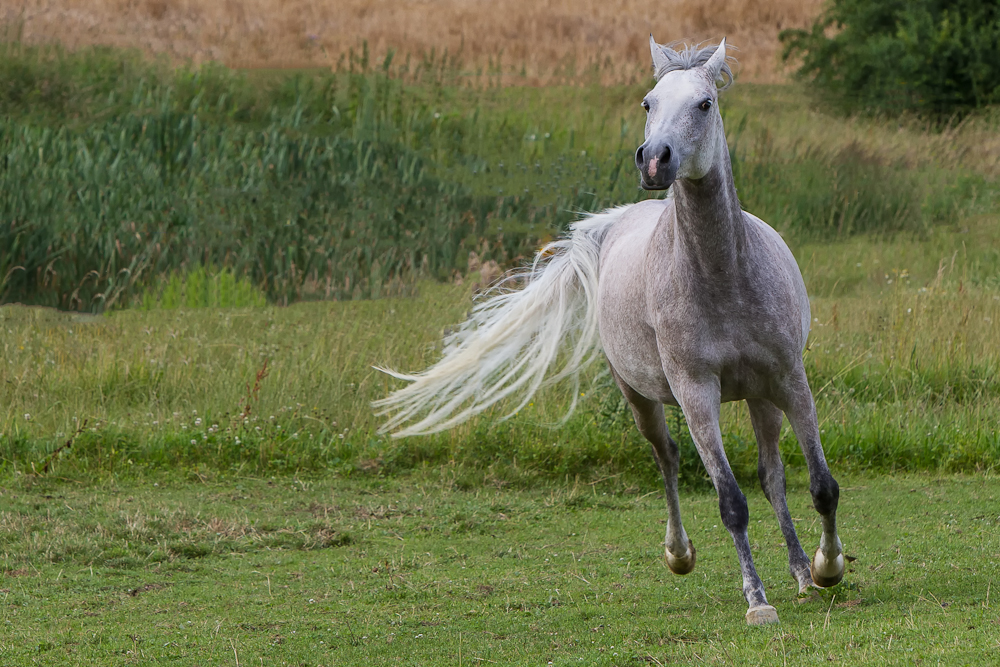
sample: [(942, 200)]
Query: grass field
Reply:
[(189, 466), (327, 571)]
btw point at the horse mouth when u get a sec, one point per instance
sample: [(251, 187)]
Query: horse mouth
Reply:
[(647, 184), (657, 175)]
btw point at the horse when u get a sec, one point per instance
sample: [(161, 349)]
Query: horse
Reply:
[(693, 301)]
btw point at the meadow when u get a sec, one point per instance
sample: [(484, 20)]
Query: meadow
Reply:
[(524, 41), (416, 571), (200, 266)]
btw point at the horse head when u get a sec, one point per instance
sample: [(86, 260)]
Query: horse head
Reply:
[(683, 125)]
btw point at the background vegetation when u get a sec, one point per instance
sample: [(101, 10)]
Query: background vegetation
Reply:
[(523, 41), (937, 58), (356, 183), (129, 186)]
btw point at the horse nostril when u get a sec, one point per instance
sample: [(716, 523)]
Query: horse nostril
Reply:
[(638, 157), (665, 156)]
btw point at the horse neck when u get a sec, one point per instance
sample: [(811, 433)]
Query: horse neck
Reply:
[(709, 219)]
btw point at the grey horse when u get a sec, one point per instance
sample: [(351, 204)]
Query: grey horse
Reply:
[(694, 302)]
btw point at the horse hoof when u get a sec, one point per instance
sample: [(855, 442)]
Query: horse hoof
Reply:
[(826, 573), (683, 564), (763, 614)]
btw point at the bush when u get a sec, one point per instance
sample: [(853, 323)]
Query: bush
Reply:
[(937, 58)]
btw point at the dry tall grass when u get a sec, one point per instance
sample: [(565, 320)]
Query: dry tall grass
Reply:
[(542, 36)]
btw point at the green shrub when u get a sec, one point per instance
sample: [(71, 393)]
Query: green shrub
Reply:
[(937, 58)]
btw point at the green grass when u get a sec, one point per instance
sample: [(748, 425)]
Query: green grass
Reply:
[(323, 571), (905, 379)]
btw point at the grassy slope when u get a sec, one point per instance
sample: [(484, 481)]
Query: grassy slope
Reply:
[(903, 354), (905, 379), (416, 572)]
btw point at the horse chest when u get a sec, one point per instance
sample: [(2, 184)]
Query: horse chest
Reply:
[(730, 344)]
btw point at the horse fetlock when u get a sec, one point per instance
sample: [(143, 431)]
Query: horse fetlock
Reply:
[(683, 564), (803, 577), (763, 614), (825, 493), (826, 571)]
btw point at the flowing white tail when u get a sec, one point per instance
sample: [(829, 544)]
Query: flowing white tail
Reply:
[(512, 338)]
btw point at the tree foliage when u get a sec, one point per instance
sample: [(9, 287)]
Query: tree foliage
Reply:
[(937, 58)]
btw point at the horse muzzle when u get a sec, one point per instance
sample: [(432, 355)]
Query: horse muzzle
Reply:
[(657, 166)]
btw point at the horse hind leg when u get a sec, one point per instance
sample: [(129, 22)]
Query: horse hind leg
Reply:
[(650, 421), (766, 420), (827, 567)]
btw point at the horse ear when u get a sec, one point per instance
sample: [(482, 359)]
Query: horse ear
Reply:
[(660, 59), (718, 59)]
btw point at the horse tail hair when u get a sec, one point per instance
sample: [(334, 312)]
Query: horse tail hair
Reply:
[(512, 338)]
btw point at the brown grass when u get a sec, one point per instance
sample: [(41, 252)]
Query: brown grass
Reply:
[(542, 36)]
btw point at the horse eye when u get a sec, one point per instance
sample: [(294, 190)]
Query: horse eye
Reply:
[(645, 105), (706, 105)]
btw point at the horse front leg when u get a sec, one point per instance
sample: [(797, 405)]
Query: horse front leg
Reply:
[(650, 421), (700, 403), (827, 566), (766, 420)]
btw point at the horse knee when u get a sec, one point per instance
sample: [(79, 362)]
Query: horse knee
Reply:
[(733, 508), (668, 452), (672, 449), (771, 481), (825, 493)]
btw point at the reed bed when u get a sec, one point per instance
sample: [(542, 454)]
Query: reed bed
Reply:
[(354, 184)]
